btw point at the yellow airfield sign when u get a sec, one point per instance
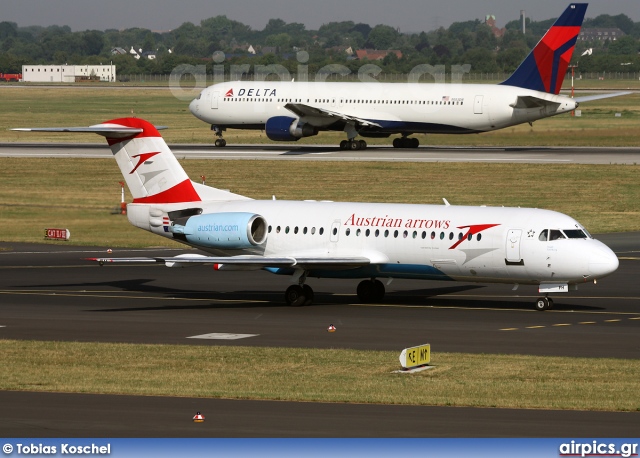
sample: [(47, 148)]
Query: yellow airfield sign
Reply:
[(415, 356)]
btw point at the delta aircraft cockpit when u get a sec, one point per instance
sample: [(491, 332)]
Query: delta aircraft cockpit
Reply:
[(291, 110), (367, 241)]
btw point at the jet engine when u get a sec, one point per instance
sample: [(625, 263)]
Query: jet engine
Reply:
[(229, 230), (285, 128)]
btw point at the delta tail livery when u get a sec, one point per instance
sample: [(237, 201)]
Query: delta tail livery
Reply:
[(369, 241), (288, 111)]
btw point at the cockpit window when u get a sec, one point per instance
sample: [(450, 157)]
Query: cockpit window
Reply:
[(544, 235), (555, 234), (574, 234), (199, 95)]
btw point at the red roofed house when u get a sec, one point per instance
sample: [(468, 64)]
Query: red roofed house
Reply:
[(375, 54)]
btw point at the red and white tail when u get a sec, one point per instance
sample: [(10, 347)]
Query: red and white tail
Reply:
[(151, 171)]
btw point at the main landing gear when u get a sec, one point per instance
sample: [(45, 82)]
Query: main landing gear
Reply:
[(301, 295), (370, 291), (353, 145), (544, 303), (220, 142), (405, 142)]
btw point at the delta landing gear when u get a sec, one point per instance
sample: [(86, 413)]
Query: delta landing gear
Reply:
[(220, 142), (405, 142), (544, 303), (353, 145)]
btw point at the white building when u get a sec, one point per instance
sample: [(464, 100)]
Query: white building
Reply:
[(68, 73)]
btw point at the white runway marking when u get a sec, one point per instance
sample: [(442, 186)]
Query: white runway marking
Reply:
[(223, 336)]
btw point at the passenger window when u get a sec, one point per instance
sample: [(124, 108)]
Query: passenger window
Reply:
[(313, 230), (321, 231), (347, 232), (367, 232), (358, 231), (377, 232)]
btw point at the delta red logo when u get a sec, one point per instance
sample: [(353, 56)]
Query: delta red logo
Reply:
[(229, 93)]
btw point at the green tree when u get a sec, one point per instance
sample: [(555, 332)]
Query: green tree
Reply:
[(383, 37)]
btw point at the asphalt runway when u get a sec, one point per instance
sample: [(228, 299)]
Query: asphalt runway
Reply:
[(49, 292), (426, 153)]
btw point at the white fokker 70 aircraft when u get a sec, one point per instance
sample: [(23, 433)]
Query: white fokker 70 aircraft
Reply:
[(288, 111), (346, 240)]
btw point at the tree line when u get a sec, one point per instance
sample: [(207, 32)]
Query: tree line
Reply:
[(469, 42)]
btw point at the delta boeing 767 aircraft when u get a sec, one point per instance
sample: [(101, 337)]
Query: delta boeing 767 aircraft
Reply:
[(288, 111), (369, 241)]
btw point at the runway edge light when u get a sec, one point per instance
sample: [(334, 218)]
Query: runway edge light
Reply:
[(198, 418), (415, 356)]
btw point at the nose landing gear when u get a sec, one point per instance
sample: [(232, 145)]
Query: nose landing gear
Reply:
[(544, 303), (220, 142)]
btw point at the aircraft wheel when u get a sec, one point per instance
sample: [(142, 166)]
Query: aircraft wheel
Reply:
[(542, 304), (363, 144), (308, 294), (294, 296), (370, 291), (414, 142), (344, 145), (354, 145), (221, 142), (397, 143), (378, 288)]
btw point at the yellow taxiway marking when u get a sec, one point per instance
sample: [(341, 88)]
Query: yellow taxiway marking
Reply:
[(562, 324), (509, 329), (589, 322), (612, 321), (535, 327), (119, 296)]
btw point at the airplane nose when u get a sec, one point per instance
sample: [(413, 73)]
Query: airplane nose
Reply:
[(602, 261), (194, 106)]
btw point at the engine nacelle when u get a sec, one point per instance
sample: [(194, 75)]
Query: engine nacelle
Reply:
[(229, 230), (285, 128)]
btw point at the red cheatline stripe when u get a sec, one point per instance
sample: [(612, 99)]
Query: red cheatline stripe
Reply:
[(182, 192)]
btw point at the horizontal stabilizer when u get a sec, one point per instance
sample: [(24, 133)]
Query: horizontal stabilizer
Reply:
[(113, 131), (589, 98), (528, 101)]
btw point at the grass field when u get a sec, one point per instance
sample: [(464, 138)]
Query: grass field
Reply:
[(299, 374), (34, 106), (79, 194)]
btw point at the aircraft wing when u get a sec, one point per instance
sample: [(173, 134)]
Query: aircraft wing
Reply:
[(589, 98), (306, 111), (245, 261)]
